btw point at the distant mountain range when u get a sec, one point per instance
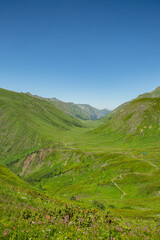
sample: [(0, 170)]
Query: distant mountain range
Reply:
[(79, 111)]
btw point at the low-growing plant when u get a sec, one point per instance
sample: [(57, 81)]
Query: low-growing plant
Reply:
[(99, 205), (73, 198)]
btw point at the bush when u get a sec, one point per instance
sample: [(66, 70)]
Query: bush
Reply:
[(111, 206), (127, 207), (99, 205), (73, 198)]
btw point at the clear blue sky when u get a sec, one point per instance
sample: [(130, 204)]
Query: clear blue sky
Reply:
[(99, 52)]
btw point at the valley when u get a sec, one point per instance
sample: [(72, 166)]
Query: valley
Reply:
[(111, 164)]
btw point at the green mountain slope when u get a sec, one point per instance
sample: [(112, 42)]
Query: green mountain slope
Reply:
[(136, 121), (79, 111), (153, 94), (27, 122), (9, 178)]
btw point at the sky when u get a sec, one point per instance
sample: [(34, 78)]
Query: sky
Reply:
[(99, 52)]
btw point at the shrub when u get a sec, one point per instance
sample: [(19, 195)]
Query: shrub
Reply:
[(73, 198), (111, 206), (99, 205)]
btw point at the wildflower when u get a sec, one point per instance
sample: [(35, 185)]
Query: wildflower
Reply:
[(47, 217), (119, 229), (132, 233), (5, 233)]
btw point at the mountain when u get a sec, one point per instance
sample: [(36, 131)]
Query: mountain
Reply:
[(137, 119), (28, 123), (79, 111), (153, 94)]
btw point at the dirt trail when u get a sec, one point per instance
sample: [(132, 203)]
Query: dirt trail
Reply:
[(118, 185), (136, 173), (123, 175), (153, 165)]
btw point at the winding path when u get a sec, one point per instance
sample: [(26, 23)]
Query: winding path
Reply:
[(136, 173), (153, 165), (118, 186)]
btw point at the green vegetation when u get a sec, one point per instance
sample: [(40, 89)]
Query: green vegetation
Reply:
[(79, 111), (28, 214), (74, 179), (135, 123), (28, 123), (153, 94)]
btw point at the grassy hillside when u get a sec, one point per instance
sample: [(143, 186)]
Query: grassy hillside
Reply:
[(127, 177), (29, 214), (78, 111), (29, 123), (9, 178), (153, 94), (137, 122)]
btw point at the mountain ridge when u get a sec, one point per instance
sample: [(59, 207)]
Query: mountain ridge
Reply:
[(153, 94), (79, 111)]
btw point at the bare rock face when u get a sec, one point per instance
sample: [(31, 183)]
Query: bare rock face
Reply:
[(35, 160)]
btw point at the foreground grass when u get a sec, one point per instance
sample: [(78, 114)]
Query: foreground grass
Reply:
[(28, 214)]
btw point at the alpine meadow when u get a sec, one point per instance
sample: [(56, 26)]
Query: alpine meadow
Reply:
[(80, 120), (66, 178)]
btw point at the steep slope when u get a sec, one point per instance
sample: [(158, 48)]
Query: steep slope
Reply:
[(9, 178), (137, 119), (153, 94), (27, 122)]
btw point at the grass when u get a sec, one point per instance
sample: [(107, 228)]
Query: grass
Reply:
[(29, 214), (110, 163)]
